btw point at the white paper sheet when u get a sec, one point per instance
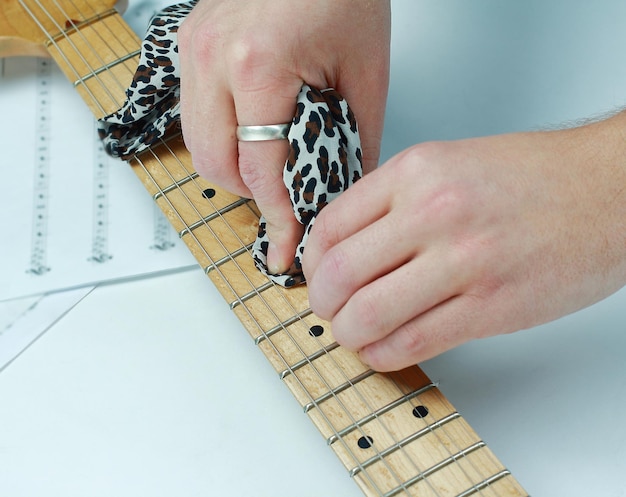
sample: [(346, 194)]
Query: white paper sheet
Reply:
[(70, 215), (22, 321)]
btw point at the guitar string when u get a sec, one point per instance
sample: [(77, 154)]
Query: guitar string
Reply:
[(63, 32), (72, 23), (347, 379), (250, 314), (85, 40), (95, 14), (295, 312), (79, 32), (62, 54), (54, 43), (451, 440), (322, 347), (117, 81)]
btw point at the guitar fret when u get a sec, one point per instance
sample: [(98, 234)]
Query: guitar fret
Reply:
[(343, 406), (335, 391), (175, 186), (373, 395), (215, 238), (106, 67), (207, 219), (429, 398), (259, 316), (251, 293), (282, 353), (167, 163), (99, 54), (501, 483), (235, 275), (189, 208), (284, 325), (485, 484), (344, 409), (76, 25), (324, 370), (307, 360), (229, 258), (433, 469), (72, 49), (402, 443), (379, 412), (488, 482), (449, 454)]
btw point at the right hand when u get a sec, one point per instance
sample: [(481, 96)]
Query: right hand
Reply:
[(244, 62)]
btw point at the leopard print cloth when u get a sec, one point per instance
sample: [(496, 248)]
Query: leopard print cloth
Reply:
[(324, 154)]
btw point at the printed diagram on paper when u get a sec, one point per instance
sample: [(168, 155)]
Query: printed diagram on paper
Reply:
[(71, 215)]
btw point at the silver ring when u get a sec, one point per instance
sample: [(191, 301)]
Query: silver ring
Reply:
[(263, 133)]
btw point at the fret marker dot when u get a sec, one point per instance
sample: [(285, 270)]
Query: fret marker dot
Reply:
[(208, 193), (316, 330), (365, 442), (420, 411)]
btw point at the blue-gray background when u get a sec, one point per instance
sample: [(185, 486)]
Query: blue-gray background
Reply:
[(549, 401)]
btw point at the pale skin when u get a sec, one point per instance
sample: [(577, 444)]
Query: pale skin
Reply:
[(478, 237)]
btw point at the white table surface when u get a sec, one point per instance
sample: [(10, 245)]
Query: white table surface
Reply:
[(152, 388)]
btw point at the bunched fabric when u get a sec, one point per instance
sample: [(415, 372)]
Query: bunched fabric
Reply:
[(152, 106), (324, 146)]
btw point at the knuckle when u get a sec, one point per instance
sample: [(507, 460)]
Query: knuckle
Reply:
[(325, 231), (369, 316), (208, 166), (337, 266), (450, 204), (330, 287), (358, 323), (198, 41), (255, 176), (414, 340), (246, 56)]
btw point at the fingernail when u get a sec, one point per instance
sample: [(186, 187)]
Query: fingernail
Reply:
[(274, 264)]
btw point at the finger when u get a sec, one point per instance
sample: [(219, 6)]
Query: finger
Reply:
[(382, 307), (348, 267), (208, 117), (261, 166), (369, 111), (440, 329), (360, 206)]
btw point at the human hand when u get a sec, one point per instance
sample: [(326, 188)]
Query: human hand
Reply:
[(244, 62), (453, 241)]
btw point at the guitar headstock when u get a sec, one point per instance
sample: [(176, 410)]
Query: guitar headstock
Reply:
[(26, 25)]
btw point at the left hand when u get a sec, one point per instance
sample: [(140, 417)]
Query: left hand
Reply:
[(453, 241), (245, 61)]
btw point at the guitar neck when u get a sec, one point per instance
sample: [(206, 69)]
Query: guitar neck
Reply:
[(394, 433), (98, 54)]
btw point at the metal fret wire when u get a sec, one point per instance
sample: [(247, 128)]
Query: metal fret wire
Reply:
[(477, 487), (62, 31), (94, 75), (93, 72), (218, 269), (305, 357), (104, 66)]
